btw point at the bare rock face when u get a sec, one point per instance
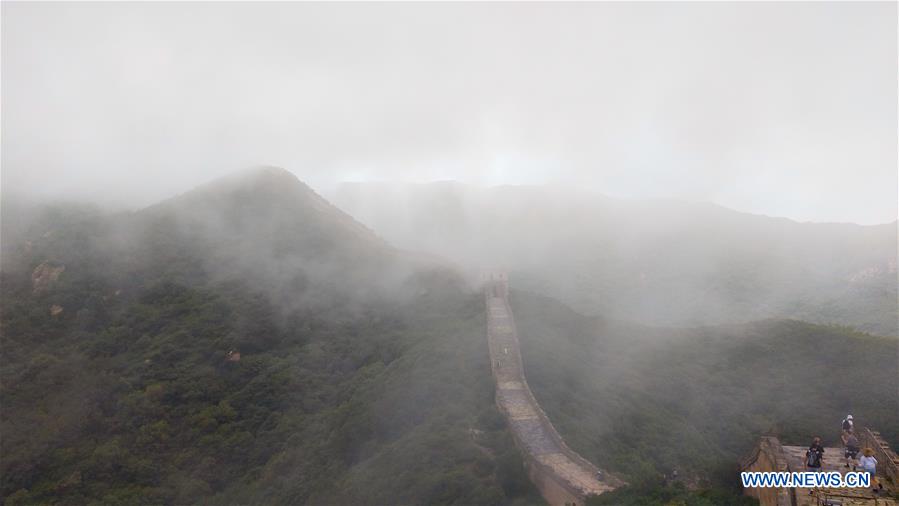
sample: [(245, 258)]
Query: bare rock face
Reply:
[(44, 276)]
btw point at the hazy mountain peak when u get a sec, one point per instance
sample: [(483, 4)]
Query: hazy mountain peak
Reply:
[(260, 188), (262, 179), (267, 174), (265, 198)]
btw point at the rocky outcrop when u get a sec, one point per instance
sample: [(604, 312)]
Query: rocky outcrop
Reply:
[(45, 276)]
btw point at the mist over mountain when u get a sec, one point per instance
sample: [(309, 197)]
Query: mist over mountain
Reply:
[(249, 342), (609, 241), (245, 342), (648, 400), (657, 261), (261, 226)]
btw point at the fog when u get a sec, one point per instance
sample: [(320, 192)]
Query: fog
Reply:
[(783, 109), (661, 261), (244, 248)]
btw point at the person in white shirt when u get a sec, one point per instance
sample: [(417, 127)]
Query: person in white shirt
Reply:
[(847, 426)]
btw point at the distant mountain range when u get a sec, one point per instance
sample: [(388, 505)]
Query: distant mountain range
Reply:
[(656, 261), (248, 342)]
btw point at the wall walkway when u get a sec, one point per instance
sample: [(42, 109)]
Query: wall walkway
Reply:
[(563, 477)]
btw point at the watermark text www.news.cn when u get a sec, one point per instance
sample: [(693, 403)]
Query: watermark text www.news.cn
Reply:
[(806, 479)]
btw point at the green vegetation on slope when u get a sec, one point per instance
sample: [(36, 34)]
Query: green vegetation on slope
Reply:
[(644, 401), (654, 493), (127, 395), (145, 408), (363, 376)]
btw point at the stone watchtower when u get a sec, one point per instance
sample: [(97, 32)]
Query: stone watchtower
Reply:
[(497, 284)]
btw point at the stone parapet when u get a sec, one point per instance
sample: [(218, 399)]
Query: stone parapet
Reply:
[(887, 460)]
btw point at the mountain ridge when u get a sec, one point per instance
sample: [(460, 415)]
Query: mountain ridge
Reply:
[(666, 263), (349, 186)]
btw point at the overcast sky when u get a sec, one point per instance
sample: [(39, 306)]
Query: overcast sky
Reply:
[(785, 109)]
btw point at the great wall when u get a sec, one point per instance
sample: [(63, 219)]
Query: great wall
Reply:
[(563, 477)]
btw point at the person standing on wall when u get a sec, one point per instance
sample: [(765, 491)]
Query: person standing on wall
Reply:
[(814, 457), (869, 464)]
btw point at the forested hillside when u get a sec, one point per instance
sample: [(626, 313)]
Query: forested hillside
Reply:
[(249, 343), (647, 400), (243, 343)]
